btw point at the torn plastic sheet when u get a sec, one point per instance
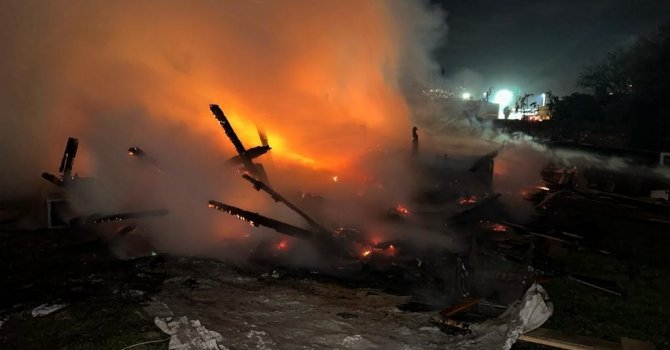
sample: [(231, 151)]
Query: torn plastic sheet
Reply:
[(525, 315), (46, 309), (189, 334)]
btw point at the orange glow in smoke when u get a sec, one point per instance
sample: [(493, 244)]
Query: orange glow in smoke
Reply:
[(323, 92)]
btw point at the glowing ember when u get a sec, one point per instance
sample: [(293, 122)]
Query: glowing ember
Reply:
[(467, 200), (499, 228), (401, 210), (335, 178), (391, 250), (282, 245)]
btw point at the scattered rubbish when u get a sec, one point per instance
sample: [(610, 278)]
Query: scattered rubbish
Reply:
[(189, 334), (46, 309)]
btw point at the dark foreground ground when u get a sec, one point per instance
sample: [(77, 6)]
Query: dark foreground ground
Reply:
[(109, 302)]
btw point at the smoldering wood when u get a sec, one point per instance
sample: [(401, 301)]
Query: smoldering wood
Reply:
[(99, 219), (256, 219)]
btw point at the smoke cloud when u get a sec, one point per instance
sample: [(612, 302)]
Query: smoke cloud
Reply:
[(328, 81)]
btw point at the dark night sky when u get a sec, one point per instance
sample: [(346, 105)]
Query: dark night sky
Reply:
[(539, 45)]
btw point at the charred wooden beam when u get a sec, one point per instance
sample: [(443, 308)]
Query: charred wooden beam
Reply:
[(245, 156), (257, 220), (99, 219), (252, 153), (69, 154), (66, 164)]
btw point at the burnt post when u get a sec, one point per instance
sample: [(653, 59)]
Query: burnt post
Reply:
[(415, 142), (66, 164)]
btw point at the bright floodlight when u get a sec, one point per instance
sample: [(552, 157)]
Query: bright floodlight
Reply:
[(466, 96), (503, 98)]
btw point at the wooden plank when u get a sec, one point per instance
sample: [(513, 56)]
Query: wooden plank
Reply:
[(566, 341), (632, 344), (460, 306)]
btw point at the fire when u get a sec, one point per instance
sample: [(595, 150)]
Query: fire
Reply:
[(344, 77), (366, 253), (324, 92), (282, 245)]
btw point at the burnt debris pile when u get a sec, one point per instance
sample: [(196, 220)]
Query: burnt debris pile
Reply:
[(475, 250)]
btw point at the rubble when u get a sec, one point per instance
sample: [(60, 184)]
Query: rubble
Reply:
[(503, 257), (189, 334)]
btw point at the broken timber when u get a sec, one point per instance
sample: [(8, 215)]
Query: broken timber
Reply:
[(256, 219), (566, 341), (244, 156), (66, 164), (98, 219)]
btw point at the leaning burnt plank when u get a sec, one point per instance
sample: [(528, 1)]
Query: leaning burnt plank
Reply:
[(260, 185), (99, 219), (256, 219)]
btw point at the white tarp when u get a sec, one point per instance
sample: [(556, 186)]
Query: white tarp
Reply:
[(46, 309), (523, 316)]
